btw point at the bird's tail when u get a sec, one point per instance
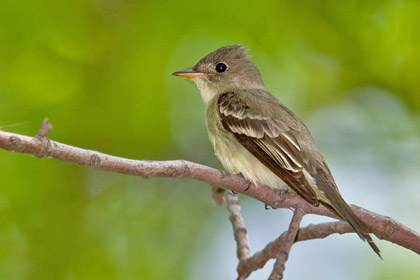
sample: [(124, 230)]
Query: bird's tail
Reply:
[(344, 210)]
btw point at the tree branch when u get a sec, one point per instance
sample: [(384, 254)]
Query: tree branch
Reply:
[(238, 224), (286, 246), (259, 259), (383, 227)]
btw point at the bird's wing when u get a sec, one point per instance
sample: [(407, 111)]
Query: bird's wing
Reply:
[(270, 140)]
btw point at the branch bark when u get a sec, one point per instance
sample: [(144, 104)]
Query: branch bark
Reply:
[(383, 227), (323, 230), (286, 246), (238, 225)]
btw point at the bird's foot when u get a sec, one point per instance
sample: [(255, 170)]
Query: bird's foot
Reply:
[(281, 194), (249, 182)]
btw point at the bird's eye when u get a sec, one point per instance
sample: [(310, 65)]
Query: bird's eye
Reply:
[(221, 67)]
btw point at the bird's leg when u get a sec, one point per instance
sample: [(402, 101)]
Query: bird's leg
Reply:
[(281, 194), (249, 182), (249, 186)]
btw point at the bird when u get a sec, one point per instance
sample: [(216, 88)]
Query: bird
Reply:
[(255, 135)]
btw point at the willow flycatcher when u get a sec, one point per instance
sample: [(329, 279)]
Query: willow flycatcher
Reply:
[(254, 134)]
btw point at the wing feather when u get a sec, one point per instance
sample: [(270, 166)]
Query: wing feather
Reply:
[(270, 140)]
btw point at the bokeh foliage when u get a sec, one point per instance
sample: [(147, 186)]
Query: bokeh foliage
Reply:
[(100, 70)]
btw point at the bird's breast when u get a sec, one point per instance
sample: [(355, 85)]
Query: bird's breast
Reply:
[(234, 157)]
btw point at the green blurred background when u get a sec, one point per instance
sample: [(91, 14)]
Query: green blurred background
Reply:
[(101, 71)]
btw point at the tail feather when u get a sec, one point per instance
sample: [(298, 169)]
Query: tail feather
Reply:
[(344, 210), (335, 201), (358, 225)]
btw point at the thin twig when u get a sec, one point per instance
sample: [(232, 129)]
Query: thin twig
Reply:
[(286, 246), (241, 237), (318, 231), (44, 129)]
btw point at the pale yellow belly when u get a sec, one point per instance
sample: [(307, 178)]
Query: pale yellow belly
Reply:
[(236, 159)]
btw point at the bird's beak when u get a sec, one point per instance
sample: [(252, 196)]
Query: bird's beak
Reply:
[(188, 73)]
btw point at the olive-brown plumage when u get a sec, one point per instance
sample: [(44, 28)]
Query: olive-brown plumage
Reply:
[(254, 134)]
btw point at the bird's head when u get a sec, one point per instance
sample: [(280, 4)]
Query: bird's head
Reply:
[(228, 68)]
